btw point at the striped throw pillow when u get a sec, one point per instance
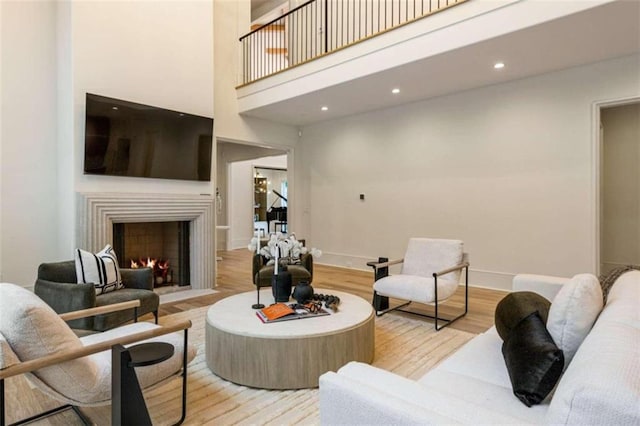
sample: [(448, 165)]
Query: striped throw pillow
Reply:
[(100, 268)]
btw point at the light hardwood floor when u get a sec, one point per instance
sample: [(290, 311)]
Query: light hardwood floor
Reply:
[(234, 276)]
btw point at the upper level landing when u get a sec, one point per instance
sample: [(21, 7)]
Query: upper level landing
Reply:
[(447, 52)]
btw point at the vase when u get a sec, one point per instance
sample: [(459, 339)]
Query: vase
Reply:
[(303, 292), (281, 285)]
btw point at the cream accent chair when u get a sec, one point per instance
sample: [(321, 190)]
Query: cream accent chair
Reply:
[(36, 341), (430, 274)]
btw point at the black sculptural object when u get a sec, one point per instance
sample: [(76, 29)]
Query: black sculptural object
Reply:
[(303, 292), (281, 285)]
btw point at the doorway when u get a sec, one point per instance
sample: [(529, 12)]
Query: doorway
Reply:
[(236, 163), (619, 186), (270, 188)]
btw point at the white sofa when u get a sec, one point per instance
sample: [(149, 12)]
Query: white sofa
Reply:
[(601, 385)]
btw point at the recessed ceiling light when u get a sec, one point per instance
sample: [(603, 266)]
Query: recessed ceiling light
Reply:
[(395, 91), (325, 108), (114, 108), (498, 65)]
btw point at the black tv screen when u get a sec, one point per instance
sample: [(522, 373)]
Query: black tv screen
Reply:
[(129, 139)]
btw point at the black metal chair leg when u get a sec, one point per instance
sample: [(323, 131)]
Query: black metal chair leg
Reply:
[(184, 379), (435, 317), (85, 420), (2, 419)]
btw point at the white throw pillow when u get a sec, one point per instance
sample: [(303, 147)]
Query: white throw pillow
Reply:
[(100, 269), (573, 312)]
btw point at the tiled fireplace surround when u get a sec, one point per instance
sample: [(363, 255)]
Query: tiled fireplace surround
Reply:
[(97, 212)]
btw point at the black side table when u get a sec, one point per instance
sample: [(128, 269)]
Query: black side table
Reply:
[(127, 403)]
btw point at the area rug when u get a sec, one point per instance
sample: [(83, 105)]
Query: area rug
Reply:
[(407, 346)]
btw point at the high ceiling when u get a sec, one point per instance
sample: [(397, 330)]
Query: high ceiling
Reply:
[(262, 7), (604, 32)]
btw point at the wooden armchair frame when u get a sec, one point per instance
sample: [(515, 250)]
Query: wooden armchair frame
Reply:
[(68, 355), (381, 303)]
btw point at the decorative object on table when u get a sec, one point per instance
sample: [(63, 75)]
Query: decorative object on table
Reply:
[(303, 292), (256, 239), (287, 248), (330, 301), (281, 284), (275, 311), (286, 312), (257, 305)]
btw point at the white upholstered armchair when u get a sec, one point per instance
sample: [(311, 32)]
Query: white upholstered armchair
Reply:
[(37, 342), (430, 274)]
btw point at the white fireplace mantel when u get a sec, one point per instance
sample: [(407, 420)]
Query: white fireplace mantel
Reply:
[(97, 212)]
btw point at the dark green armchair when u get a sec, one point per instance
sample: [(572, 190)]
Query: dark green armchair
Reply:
[(57, 286), (262, 272)]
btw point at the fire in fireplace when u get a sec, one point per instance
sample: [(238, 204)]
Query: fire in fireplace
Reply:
[(161, 246), (162, 273)]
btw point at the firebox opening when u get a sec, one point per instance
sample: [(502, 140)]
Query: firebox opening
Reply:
[(162, 246)]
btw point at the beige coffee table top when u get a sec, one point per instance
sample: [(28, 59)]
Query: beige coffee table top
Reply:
[(288, 354)]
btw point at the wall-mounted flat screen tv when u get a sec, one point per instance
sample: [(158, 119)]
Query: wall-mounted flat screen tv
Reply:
[(124, 138)]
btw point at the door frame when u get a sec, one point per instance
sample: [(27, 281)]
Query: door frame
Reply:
[(596, 164), (288, 151)]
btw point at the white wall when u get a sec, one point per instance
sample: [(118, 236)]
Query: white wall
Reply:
[(232, 20), (28, 231), (620, 240), (506, 168), (241, 197)]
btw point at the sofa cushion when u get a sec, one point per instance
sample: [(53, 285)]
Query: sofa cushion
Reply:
[(414, 287), (101, 269), (435, 402), (573, 312), (545, 285), (149, 302), (147, 375), (602, 383), (465, 394), (607, 280), (516, 306), (533, 360), (480, 359)]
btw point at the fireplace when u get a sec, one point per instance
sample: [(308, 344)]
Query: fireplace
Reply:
[(98, 212), (161, 246)]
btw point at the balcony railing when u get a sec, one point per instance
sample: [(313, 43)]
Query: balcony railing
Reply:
[(319, 27)]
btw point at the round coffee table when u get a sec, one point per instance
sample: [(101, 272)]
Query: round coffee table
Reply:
[(288, 354)]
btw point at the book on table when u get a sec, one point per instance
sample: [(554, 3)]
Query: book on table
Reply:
[(283, 312)]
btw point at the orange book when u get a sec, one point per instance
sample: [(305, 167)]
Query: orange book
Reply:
[(276, 311)]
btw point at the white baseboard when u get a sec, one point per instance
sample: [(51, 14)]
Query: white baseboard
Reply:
[(239, 243)]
